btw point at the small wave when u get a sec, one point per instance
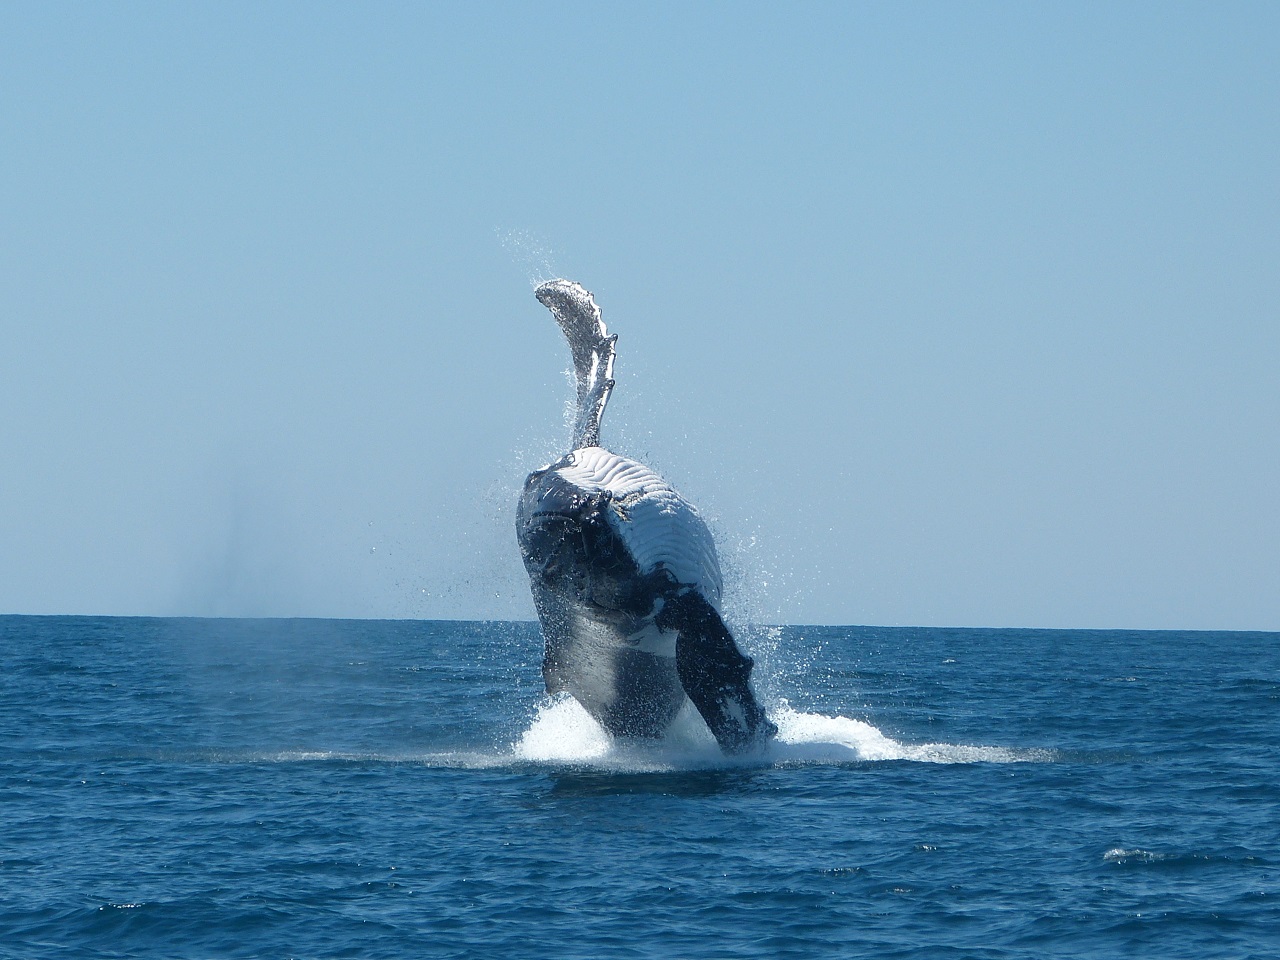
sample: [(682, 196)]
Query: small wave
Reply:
[(1231, 857), (465, 759), (1120, 855)]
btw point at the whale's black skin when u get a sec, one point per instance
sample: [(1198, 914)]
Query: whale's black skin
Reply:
[(624, 574)]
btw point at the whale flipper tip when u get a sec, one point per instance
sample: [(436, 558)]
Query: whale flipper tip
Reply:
[(716, 674)]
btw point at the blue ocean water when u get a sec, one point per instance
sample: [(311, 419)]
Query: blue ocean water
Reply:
[(178, 788)]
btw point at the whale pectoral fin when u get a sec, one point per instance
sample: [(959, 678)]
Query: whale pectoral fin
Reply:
[(715, 673), (593, 348)]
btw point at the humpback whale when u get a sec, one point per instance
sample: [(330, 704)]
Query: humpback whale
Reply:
[(624, 572)]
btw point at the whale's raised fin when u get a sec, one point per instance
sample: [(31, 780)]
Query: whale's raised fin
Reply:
[(575, 310), (715, 673)]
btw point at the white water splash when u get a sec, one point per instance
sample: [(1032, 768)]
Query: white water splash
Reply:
[(816, 738), (562, 732)]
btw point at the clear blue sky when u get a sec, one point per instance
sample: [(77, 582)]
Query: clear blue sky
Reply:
[(943, 313)]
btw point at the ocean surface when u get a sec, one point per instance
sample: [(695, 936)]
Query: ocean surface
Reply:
[(174, 788)]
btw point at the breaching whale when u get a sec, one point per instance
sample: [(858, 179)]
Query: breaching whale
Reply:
[(624, 572)]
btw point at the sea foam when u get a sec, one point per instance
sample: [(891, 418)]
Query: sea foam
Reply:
[(563, 733)]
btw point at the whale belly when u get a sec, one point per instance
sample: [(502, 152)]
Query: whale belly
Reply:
[(622, 671)]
